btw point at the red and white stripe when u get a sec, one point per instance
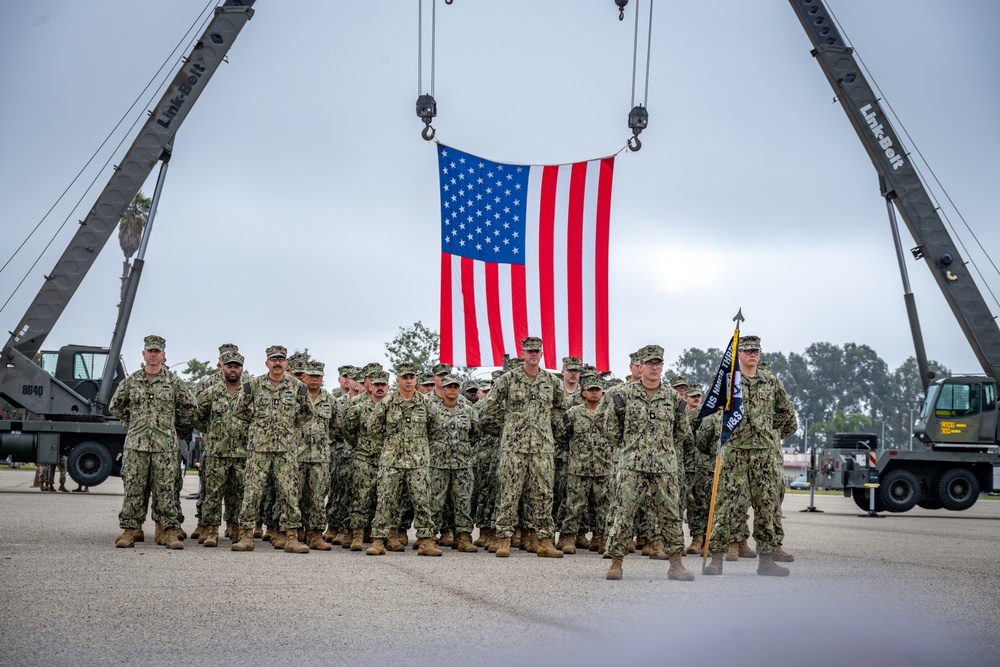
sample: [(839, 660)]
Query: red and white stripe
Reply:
[(561, 292)]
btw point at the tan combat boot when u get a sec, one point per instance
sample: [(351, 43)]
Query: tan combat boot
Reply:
[(631, 546), (768, 568), (568, 544), (258, 531), (677, 571), (656, 551), (330, 535), (394, 543), (344, 537), (126, 540), (464, 544), (62, 487), (697, 543), (158, 534), (581, 541), (515, 540), (425, 547), (368, 535), (377, 548), (196, 533), (292, 543), (744, 550), (484, 537), (210, 536), (245, 543), (646, 548), (269, 533), (171, 538), (493, 542), (447, 538), (599, 543), (546, 549), (615, 571), (314, 540), (404, 536), (180, 534), (715, 567), (530, 542), (782, 556), (301, 534), (733, 551), (358, 540), (503, 547), (278, 539), (138, 534), (232, 531)]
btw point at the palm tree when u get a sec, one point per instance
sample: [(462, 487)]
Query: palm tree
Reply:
[(130, 227)]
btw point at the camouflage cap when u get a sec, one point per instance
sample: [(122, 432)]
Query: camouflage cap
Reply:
[(405, 368), (441, 369), (154, 343), (228, 347), (649, 352), (232, 357), (379, 377), (497, 373), (633, 359), (484, 385), (370, 369), (679, 381), (277, 351), (344, 370), (591, 381), (572, 364), (610, 382), (354, 373), (693, 390), (425, 379), (450, 379), (531, 343), (313, 367), (470, 385), (749, 343)]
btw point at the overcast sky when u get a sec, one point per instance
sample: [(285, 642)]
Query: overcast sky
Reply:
[(301, 204)]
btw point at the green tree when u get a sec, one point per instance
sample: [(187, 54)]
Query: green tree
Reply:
[(699, 366), (419, 345), (196, 370)]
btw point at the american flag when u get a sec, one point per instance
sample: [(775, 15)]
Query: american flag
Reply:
[(524, 252)]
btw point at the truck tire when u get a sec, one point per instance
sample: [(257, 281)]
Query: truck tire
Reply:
[(899, 490), (851, 440), (861, 500), (958, 489), (89, 463)]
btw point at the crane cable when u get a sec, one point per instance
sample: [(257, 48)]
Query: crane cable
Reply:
[(426, 105), (930, 169), (638, 117), (199, 22)]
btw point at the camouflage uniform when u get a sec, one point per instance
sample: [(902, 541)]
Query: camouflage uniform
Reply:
[(155, 411), (225, 453), (487, 462), (525, 408), (451, 473), (365, 453), (315, 453), (404, 429), (338, 505), (588, 470), (651, 434), (749, 462), (700, 466), (276, 415)]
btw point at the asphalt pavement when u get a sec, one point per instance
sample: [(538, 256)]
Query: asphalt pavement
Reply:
[(919, 588)]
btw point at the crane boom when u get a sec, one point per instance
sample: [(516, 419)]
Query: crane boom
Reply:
[(903, 184), (152, 142)]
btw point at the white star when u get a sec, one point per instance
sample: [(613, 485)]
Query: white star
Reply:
[(444, 152), (515, 251), (462, 160), (506, 225), (461, 242), (506, 241), (514, 235), (461, 225), (496, 248), (479, 246), (517, 202), (479, 230), (517, 218)]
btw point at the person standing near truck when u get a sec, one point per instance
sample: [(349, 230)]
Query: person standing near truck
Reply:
[(156, 408), (750, 463)]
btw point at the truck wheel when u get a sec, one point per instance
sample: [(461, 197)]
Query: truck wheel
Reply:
[(958, 489), (860, 497), (899, 490), (89, 463)]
